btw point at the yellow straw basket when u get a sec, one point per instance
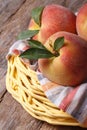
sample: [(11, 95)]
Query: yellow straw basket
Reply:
[(22, 83)]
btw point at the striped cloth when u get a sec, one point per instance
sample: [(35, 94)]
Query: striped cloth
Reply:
[(69, 99)]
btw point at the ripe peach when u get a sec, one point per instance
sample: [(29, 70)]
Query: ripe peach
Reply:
[(54, 18), (70, 67), (81, 22)]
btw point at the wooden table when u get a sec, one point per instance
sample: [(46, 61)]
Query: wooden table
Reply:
[(14, 18)]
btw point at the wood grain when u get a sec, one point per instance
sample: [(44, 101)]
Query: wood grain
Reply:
[(14, 18)]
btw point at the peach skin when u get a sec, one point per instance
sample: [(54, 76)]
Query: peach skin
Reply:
[(70, 67), (54, 18), (81, 22)]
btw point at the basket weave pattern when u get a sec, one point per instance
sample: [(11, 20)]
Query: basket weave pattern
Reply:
[(22, 83)]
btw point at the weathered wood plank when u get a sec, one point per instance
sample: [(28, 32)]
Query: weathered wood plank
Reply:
[(8, 8), (14, 117), (2, 88), (14, 18)]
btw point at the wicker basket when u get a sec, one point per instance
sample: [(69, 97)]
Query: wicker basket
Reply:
[(24, 86)]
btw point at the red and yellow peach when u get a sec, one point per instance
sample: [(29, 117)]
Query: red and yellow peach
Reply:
[(70, 67), (81, 22), (54, 18)]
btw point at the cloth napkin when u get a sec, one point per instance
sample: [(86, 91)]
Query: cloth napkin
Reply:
[(72, 100)]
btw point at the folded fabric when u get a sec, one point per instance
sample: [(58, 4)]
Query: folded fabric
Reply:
[(72, 100), (69, 99)]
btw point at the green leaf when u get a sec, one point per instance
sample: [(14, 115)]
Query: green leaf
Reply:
[(27, 34), (36, 14), (59, 42), (34, 54), (36, 44)]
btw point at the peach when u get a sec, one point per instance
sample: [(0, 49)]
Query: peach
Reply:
[(54, 18), (81, 22), (70, 67)]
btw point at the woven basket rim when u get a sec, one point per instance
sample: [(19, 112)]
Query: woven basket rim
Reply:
[(22, 83)]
